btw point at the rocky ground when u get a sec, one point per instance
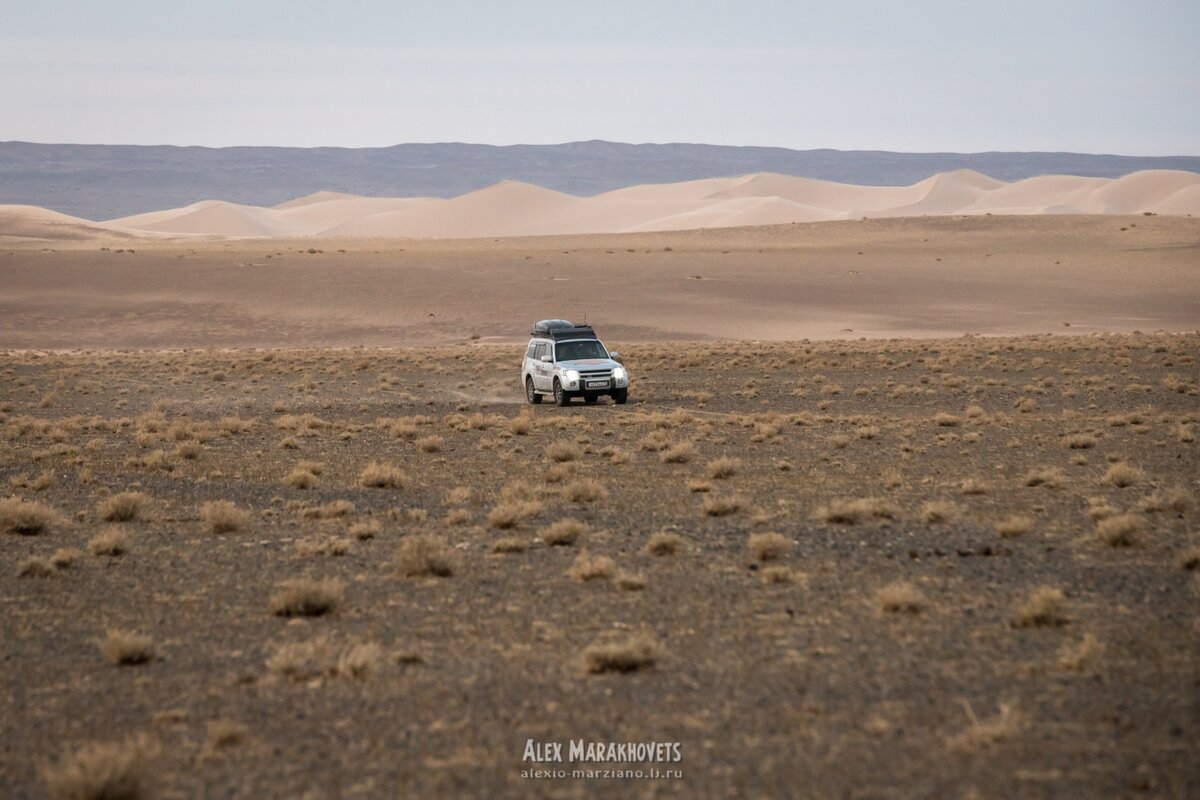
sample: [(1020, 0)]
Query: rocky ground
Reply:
[(944, 568)]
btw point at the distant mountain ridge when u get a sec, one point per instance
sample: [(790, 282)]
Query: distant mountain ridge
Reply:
[(100, 182)]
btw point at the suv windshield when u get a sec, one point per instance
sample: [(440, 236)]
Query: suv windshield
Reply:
[(573, 351)]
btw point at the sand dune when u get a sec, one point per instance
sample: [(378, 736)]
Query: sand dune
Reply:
[(34, 222), (512, 208), (215, 217)]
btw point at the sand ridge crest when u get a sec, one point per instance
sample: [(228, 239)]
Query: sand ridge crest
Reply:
[(514, 208)]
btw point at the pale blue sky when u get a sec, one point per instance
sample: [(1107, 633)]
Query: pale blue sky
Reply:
[(924, 75)]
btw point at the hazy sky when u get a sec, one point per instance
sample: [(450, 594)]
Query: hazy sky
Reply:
[(958, 75)]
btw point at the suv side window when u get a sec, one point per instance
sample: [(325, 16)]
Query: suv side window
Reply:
[(540, 351), (532, 347)]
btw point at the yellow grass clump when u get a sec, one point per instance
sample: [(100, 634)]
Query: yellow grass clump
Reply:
[(1122, 530), (382, 476), (1045, 607), (588, 567), (26, 517), (122, 507), (851, 512), (664, 543), (223, 516), (424, 555), (126, 648), (104, 771), (768, 546), (305, 597), (900, 598), (564, 532), (628, 653)]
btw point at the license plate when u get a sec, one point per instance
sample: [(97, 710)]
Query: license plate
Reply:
[(597, 384)]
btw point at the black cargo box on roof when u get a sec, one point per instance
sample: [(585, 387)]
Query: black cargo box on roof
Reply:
[(546, 325), (562, 329)]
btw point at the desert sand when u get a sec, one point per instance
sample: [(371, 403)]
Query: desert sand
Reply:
[(877, 278), (511, 208)]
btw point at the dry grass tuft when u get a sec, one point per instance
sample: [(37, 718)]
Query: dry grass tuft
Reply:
[(322, 658), (680, 453), (561, 451), (103, 771), (222, 516), (721, 506), (331, 510), (1122, 530), (1045, 607), (1050, 477), (851, 512), (382, 476), (768, 546), (1016, 525), (223, 734), (585, 490), (973, 486), (114, 542), (1177, 499), (367, 529), (305, 597), (778, 575), (1080, 441), (122, 507), (424, 555), (1122, 475), (26, 517), (300, 478), (564, 532), (430, 444), (630, 581), (628, 653), (1076, 657), (64, 557), (35, 567), (588, 567), (723, 467), (1190, 559), (509, 544), (664, 543), (358, 661), (937, 511), (125, 648), (900, 598), (1007, 724), (510, 514)]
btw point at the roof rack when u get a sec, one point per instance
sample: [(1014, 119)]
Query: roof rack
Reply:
[(557, 329)]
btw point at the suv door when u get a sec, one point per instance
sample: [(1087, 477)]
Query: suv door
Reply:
[(527, 361), (541, 371)]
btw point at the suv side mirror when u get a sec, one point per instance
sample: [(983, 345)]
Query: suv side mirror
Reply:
[(547, 358), (614, 355)]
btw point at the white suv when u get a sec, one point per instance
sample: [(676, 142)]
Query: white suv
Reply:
[(565, 360)]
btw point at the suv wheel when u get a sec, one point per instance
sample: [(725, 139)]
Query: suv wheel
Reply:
[(530, 394), (560, 397), (620, 396)]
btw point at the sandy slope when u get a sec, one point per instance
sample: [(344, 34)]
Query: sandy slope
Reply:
[(34, 222), (916, 276), (512, 208)]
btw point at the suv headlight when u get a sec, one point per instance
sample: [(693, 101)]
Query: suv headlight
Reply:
[(619, 374), (572, 376)]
